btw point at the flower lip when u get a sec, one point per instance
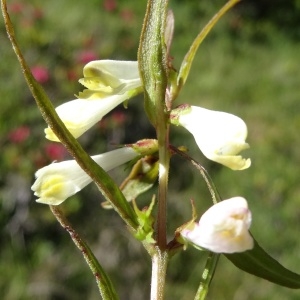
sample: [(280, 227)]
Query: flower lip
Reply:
[(111, 76)]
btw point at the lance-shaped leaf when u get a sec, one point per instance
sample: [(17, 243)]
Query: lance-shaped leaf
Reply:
[(259, 263), (189, 57)]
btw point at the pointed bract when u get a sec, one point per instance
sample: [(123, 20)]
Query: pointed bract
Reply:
[(223, 228), (58, 181)]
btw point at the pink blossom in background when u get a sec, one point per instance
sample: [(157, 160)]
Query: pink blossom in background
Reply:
[(73, 75), (19, 134), (110, 5), (88, 42), (38, 14), (118, 117), (127, 15), (56, 151), (115, 119), (40, 73), (16, 7), (86, 56)]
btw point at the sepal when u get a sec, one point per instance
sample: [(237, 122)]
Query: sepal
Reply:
[(146, 221)]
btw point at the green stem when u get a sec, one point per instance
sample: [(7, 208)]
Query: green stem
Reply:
[(106, 185), (164, 164), (159, 268), (105, 286), (207, 276), (152, 57)]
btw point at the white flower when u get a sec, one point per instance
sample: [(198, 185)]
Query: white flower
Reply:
[(223, 228), (81, 114), (58, 181), (109, 84), (219, 135), (111, 76)]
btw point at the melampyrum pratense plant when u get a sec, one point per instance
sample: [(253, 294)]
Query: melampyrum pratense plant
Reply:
[(222, 229)]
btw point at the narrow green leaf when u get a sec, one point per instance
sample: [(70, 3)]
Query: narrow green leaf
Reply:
[(104, 283), (259, 263), (189, 57)]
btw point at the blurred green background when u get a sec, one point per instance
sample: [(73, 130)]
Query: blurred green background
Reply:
[(248, 65)]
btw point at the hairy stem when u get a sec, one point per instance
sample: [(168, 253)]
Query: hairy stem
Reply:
[(159, 268)]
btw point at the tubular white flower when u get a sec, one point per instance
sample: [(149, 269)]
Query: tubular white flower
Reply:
[(81, 114), (223, 228), (58, 181), (111, 76), (219, 135), (109, 84)]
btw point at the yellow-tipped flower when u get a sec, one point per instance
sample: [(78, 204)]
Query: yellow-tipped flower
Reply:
[(58, 181), (109, 84), (223, 228), (219, 135)]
